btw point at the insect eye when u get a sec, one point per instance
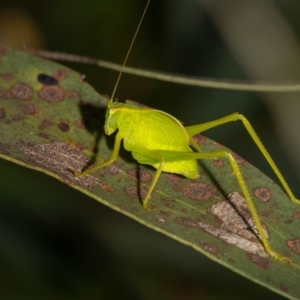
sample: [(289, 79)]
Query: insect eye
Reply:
[(112, 111)]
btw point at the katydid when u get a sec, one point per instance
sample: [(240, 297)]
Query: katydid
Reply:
[(158, 139)]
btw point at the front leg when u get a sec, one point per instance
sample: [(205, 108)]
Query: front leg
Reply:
[(113, 157)]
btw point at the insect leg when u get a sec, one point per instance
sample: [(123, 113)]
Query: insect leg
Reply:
[(157, 158), (169, 156), (192, 130), (107, 162)]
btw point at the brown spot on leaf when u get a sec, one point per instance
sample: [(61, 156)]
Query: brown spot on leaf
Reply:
[(6, 76), (172, 178), (219, 163), (17, 117), (113, 169), (186, 222), (80, 124), (199, 139), (107, 188), (60, 74), (283, 287), (294, 245), (239, 159), (236, 217), (168, 202), (262, 262), (44, 135), (135, 192), (3, 50), (72, 94), (22, 91), (209, 247), (52, 94), (62, 159), (138, 174), (263, 194), (4, 149), (29, 109), (296, 215), (64, 126), (5, 94), (218, 145), (45, 124), (2, 113), (198, 191)]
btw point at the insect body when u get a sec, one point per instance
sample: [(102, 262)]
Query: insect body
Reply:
[(158, 139)]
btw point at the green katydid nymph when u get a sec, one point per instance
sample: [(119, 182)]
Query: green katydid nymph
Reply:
[(158, 139)]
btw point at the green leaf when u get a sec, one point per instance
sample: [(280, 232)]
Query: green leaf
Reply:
[(51, 121)]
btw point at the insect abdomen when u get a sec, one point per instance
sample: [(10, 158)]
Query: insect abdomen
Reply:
[(156, 130)]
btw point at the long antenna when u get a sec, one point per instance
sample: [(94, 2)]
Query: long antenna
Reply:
[(128, 52)]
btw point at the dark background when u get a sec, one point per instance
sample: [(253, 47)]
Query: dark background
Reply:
[(59, 244)]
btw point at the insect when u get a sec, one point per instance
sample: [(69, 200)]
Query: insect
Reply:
[(158, 139)]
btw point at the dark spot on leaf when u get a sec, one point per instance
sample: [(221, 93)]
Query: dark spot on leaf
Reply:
[(186, 222), (296, 215), (172, 178), (107, 188), (7, 76), (29, 109), (198, 191), (64, 126), (199, 139), (3, 51), (217, 145), (113, 169), (168, 202), (80, 124), (45, 124), (47, 79), (239, 159), (4, 149), (263, 194), (60, 74), (22, 91), (5, 94), (288, 222), (7, 122), (294, 245), (2, 113), (219, 163), (62, 159), (52, 94), (209, 247), (135, 192), (17, 117), (283, 287), (262, 262), (72, 94), (139, 175), (166, 213), (44, 135)]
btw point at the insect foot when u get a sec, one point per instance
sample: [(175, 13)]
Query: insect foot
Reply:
[(78, 174), (279, 257), (146, 207)]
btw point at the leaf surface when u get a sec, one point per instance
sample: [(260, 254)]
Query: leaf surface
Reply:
[(51, 121)]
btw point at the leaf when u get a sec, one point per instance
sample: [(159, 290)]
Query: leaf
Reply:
[(51, 121)]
